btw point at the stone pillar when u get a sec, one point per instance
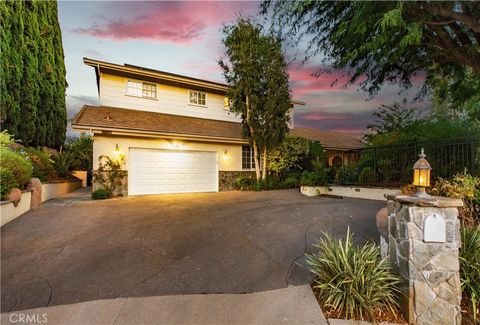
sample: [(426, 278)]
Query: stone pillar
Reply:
[(36, 187), (423, 245)]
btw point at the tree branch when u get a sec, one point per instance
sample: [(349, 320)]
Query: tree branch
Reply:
[(469, 21), (440, 22)]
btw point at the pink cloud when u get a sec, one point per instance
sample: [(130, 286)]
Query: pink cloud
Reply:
[(171, 22), (306, 80), (320, 116)]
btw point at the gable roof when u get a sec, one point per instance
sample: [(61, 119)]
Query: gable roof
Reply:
[(330, 139), (158, 76), (114, 120)]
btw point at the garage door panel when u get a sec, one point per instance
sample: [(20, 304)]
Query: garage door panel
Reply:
[(154, 171)]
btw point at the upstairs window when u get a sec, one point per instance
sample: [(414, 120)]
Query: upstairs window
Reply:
[(197, 98), (141, 89), (247, 158)]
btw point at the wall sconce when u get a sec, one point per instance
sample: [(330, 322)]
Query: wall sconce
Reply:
[(117, 153), (225, 155), (421, 176), (174, 145)]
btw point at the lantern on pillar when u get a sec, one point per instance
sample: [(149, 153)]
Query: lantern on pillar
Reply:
[(421, 175)]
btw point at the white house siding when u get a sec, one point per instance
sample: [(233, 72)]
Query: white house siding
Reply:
[(170, 100), (231, 161)]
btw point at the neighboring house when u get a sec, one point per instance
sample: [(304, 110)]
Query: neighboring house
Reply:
[(176, 132), (341, 148)]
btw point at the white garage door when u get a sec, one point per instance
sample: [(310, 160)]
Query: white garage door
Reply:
[(154, 171)]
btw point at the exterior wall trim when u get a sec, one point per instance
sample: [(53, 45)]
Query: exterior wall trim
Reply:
[(140, 133)]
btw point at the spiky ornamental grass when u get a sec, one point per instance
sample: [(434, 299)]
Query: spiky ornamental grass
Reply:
[(470, 266), (352, 280)]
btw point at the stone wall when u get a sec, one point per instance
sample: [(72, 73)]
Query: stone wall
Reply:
[(429, 268), (227, 179), (122, 190)]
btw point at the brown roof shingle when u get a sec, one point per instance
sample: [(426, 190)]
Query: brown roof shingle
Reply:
[(330, 139), (128, 120)]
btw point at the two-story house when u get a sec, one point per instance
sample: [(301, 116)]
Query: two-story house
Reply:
[(176, 132)]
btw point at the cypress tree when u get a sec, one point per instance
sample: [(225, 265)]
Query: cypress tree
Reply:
[(33, 73), (11, 70)]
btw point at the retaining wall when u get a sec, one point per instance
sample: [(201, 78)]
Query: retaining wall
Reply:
[(368, 193)]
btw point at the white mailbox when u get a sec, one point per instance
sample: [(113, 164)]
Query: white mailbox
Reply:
[(434, 228)]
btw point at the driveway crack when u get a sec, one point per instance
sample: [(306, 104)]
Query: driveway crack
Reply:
[(305, 244)]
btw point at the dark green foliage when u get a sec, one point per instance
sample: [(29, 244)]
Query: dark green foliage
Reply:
[(289, 155), (389, 41), (7, 181), (426, 129), (63, 162), (17, 165), (353, 281), (316, 178), (332, 174), (41, 161), (32, 76), (366, 176), (295, 154), (244, 183), (81, 150), (470, 266), (394, 118), (348, 174), (259, 93), (291, 181), (100, 194), (270, 183)]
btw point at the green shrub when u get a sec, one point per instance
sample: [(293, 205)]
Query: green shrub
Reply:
[(470, 265), (465, 187), (6, 139), (244, 183), (41, 161), (332, 174), (18, 166), (313, 179), (63, 163), (100, 194), (291, 181), (348, 174), (7, 181), (353, 280), (110, 174), (366, 176)]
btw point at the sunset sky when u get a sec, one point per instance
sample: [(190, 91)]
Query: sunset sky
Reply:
[(185, 38)]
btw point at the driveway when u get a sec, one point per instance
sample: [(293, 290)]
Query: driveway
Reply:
[(227, 242)]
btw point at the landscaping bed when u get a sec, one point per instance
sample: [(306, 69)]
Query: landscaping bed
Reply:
[(380, 316)]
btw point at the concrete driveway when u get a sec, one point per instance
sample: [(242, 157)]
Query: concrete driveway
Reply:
[(227, 242)]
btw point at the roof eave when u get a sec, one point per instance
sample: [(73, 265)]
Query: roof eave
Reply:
[(156, 74), (154, 134)]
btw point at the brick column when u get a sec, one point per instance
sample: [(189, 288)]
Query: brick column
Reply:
[(423, 245)]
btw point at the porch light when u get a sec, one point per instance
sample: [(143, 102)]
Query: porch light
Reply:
[(225, 155), (421, 175), (117, 154)]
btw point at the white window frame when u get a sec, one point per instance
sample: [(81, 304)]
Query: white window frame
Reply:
[(142, 83), (189, 94), (252, 160)]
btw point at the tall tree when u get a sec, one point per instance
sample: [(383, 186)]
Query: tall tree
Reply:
[(393, 118), (258, 86), (32, 73), (389, 41)]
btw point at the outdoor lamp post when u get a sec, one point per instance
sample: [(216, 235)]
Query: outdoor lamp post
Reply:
[(421, 175)]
